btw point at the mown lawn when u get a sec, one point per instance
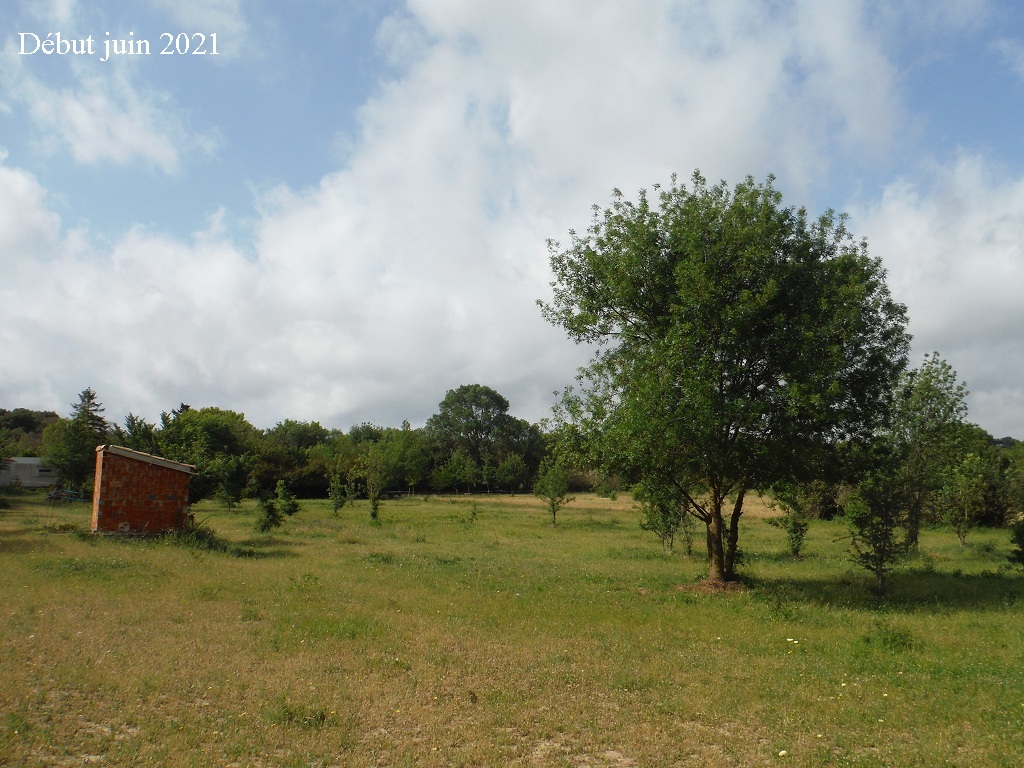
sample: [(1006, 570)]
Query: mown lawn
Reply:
[(470, 632)]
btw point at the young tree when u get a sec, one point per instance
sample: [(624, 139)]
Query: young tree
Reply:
[(737, 343), (268, 516), (553, 486), (962, 498), (877, 519), (271, 512), (929, 411), (374, 468), (664, 515)]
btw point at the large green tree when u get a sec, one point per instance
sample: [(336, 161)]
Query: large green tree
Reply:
[(737, 341), (474, 420), (209, 439)]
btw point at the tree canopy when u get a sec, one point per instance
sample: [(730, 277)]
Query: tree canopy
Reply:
[(737, 341)]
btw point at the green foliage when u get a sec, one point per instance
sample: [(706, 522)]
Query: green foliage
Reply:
[(877, 521), (286, 501), (137, 434), (737, 343), (664, 515), (202, 438), (473, 421), (410, 454), (374, 467), (512, 474), (271, 512), (21, 431), (458, 472), (268, 516), (928, 417), (338, 490), (230, 476), (553, 486), (795, 528), (69, 445), (800, 503), (962, 498)]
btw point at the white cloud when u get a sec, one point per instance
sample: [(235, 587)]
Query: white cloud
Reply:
[(955, 253), (106, 119), (1013, 54), (414, 268), (100, 113)]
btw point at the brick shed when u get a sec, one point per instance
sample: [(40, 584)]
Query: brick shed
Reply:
[(135, 492)]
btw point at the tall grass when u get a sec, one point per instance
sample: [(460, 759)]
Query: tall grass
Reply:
[(469, 631)]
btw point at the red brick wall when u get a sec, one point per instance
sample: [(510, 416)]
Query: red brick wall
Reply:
[(135, 494)]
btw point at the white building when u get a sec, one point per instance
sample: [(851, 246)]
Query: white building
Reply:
[(26, 471)]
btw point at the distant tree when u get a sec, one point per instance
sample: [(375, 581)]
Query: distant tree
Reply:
[(736, 340), (472, 418), (929, 411), (69, 445), (366, 433), (512, 474), (962, 497), (137, 434), (411, 455), (203, 438), (1014, 475), (21, 431), (459, 471), (553, 486), (374, 469), (89, 410)]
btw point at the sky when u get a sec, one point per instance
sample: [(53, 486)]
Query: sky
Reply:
[(339, 210)]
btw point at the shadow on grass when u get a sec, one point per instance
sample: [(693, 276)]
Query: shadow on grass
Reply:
[(202, 538), (909, 591)]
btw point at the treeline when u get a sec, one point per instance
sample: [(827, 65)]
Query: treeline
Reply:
[(21, 431), (472, 444)]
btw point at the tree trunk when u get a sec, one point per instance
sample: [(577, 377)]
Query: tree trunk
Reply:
[(716, 552), (734, 535)]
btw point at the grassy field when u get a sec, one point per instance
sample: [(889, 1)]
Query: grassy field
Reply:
[(469, 632)]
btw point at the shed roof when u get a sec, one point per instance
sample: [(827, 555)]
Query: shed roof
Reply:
[(149, 458)]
